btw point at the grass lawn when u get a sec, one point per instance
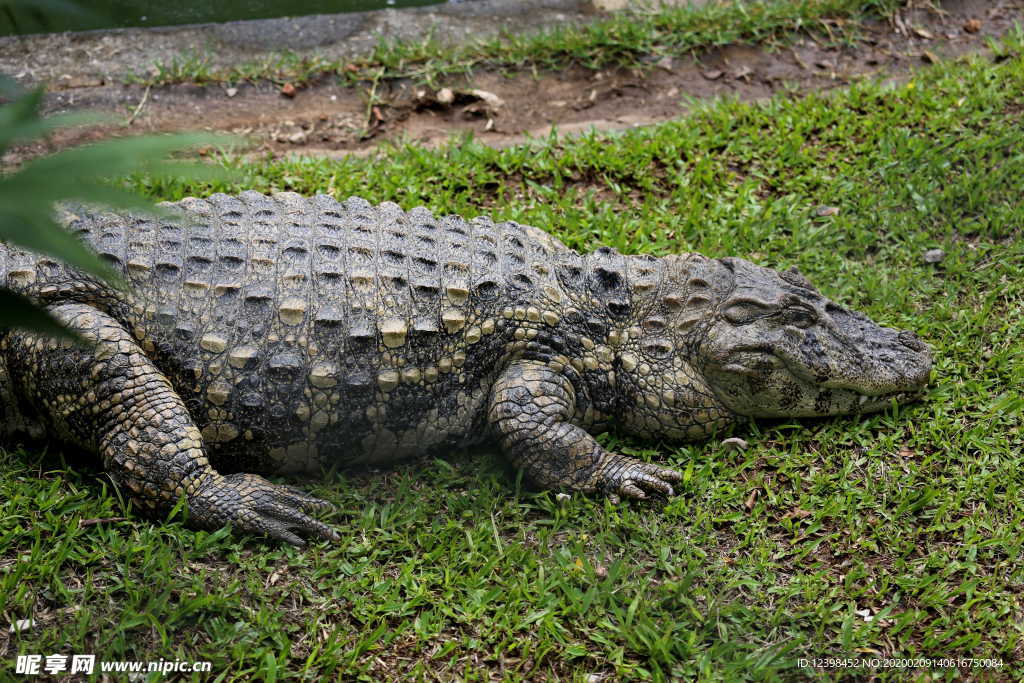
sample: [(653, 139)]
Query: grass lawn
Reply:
[(622, 39), (891, 535)]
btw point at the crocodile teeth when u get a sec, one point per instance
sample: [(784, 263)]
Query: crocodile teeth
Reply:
[(863, 399)]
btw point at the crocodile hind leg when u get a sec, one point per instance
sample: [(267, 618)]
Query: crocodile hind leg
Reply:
[(106, 396), (530, 409)]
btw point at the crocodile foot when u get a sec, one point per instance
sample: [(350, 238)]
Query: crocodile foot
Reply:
[(622, 475), (252, 504)]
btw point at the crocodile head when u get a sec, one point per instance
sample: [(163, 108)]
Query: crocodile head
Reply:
[(774, 347)]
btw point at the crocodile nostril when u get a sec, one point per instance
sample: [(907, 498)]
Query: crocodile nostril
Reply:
[(910, 340)]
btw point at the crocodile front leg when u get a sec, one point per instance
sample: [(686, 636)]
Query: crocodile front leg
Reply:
[(108, 397), (530, 409)]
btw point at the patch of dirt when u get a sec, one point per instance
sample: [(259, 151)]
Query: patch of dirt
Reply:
[(326, 119)]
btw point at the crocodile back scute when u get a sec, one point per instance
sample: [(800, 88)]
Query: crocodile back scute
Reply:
[(286, 320)]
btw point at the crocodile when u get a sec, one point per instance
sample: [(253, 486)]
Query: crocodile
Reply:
[(286, 334)]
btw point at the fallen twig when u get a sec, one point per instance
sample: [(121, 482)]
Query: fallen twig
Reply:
[(142, 103)]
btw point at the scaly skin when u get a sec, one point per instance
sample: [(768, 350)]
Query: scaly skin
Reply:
[(281, 334)]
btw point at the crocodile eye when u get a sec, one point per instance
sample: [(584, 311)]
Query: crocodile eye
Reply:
[(746, 311), (799, 316)]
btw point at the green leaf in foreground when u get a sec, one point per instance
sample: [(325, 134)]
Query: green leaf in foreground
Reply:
[(28, 197), (20, 312)]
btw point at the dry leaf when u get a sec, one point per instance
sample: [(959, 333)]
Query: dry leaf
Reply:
[(288, 90), (751, 499), (972, 26), (490, 98), (445, 96), (22, 625), (735, 443), (104, 520)]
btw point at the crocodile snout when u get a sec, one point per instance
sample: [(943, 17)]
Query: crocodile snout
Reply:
[(917, 366)]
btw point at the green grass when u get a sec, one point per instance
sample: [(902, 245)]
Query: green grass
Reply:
[(632, 39), (452, 568)]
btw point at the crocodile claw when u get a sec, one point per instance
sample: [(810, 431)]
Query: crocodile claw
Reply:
[(252, 504), (635, 479)]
